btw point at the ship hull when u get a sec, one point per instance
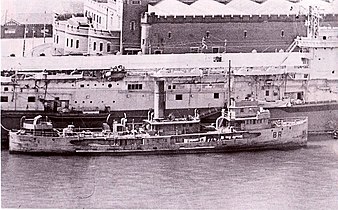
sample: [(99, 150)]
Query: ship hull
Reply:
[(323, 118), (283, 137), (233, 149)]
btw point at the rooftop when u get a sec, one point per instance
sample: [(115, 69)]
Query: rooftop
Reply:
[(29, 18), (238, 7)]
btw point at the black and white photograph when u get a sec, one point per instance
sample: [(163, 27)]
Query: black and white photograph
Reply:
[(169, 104)]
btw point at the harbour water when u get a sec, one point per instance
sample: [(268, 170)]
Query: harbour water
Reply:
[(306, 178)]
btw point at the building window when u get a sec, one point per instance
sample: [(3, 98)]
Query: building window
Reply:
[(132, 25), (215, 49), (57, 39), (305, 60), (108, 47), (100, 19), (67, 42), (245, 33), (143, 41), (194, 49), (101, 46), (179, 97), (31, 99), (71, 43), (77, 43), (94, 47), (282, 33), (134, 86), (9, 31), (207, 34), (169, 87), (5, 88), (135, 2), (157, 51), (267, 93), (169, 35), (216, 95), (4, 98)]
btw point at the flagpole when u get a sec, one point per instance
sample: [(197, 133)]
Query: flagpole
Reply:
[(24, 42), (44, 29), (33, 41)]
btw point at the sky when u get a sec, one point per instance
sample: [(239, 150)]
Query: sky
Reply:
[(40, 6)]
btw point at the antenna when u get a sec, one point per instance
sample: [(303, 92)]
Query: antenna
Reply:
[(313, 22), (6, 16), (229, 85)]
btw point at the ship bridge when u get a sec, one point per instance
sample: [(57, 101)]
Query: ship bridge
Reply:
[(327, 37)]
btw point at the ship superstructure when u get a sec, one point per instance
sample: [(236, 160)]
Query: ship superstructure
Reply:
[(245, 128)]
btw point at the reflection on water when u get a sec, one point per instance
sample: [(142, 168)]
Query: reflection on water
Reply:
[(302, 179)]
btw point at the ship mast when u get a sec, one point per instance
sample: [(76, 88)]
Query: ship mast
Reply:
[(313, 22), (229, 85)]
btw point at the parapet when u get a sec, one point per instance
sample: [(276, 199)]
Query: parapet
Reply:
[(151, 18)]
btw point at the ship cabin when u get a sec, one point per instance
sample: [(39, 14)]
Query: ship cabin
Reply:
[(245, 116), (164, 127), (38, 126)]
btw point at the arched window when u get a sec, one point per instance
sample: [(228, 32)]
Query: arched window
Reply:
[(132, 25), (101, 46), (108, 47)]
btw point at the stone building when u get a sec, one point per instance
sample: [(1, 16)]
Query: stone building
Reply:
[(34, 24), (191, 26), (95, 32), (172, 26)]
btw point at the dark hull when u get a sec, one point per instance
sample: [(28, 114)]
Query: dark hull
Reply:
[(287, 146)]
